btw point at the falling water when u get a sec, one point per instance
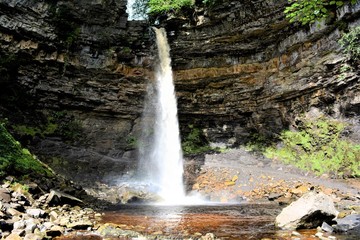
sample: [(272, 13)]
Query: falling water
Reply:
[(162, 165)]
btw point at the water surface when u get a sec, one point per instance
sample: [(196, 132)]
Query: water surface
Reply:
[(241, 221)]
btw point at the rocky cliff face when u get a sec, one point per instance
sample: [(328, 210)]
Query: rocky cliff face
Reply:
[(245, 69), (80, 67), (76, 72)]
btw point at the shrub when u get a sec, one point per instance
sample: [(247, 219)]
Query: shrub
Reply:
[(318, 146), (351, 43), (309, 11), (194, 142), (161, 6)]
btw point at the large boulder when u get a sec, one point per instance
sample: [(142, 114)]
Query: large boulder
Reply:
[(309, 211)]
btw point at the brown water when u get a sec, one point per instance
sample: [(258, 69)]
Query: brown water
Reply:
[(233, 222), (246, 221)]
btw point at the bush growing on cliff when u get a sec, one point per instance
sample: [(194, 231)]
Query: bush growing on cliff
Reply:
[(309, 11), (194, 142), (318, 146), (161, 6), (351, 43)]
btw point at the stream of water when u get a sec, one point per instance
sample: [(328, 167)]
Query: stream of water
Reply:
[(161, 165)]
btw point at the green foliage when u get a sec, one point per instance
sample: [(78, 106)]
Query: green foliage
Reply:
[(309, 11), (257, 143), (57, 123), (161, 6), (351, 43), (68, 30), (318, 147), (18, 161), (194, 142)]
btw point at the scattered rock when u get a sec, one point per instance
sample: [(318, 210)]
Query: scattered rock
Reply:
[(309, 211), (35, 212), (59, 198)]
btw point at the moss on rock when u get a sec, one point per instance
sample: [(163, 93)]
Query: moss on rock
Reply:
[(18, 161)]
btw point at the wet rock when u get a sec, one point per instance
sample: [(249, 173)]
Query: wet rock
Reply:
[(309, 211), (60, 198), (349, 224)]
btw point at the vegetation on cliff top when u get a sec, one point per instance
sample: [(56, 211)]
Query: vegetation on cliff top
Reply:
[(16, 160), (143, 7), (318, 146), (309, 11)]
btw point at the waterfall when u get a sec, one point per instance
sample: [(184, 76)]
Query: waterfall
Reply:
[(161, 163)]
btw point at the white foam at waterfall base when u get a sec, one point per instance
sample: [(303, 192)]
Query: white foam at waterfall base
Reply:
[(161, 158)]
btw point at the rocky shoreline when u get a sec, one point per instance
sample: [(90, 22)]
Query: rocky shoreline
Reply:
[(27, 212)]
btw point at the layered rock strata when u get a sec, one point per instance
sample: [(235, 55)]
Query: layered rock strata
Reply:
[(240, 69)]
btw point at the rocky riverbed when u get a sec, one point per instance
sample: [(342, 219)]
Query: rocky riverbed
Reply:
[(235, 176)]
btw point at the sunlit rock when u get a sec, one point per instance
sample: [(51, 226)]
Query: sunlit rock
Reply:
[(310, 211)]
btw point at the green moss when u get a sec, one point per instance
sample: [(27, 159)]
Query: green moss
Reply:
[(55, 124), (194, 142), (15, 160), (319, 147)]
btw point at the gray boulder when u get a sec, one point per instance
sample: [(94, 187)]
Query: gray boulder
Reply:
[(348, 224), (309, 211)]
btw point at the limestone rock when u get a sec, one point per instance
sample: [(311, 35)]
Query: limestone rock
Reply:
[(309, 211), (5, 196), (13, 236), (59, 198), (35, 212)]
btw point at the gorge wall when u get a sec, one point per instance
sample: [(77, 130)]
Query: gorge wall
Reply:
[(74, 76)]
